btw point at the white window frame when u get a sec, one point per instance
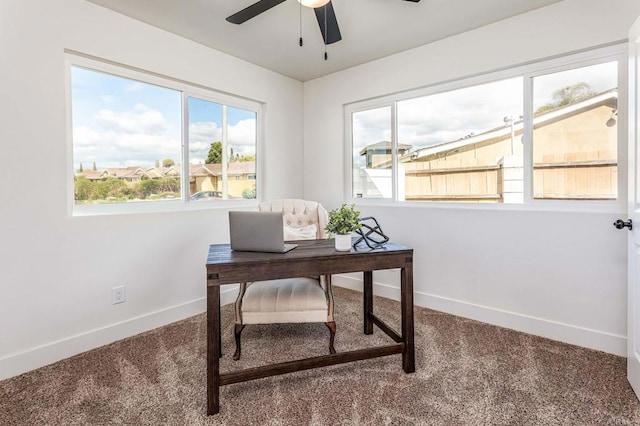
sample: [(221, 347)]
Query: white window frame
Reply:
[(187, 90), (617, 52)]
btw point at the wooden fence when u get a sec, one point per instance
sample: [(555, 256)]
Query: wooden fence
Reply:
[(471, 181)]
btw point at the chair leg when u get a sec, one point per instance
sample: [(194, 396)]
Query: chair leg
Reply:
[(237, 330), (332, 329)]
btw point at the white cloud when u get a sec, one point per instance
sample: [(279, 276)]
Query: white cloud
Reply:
[(441, 117), (204, 132), (84, 136), (141, 136), (131, 138), (370, 127), (600, 78), (141, 120), (241, 137), (134, 87), (449, 116)]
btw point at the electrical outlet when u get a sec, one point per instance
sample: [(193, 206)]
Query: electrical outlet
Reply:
[(118, 295)]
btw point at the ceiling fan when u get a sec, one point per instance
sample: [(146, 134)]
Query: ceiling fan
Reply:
[(324, 14)]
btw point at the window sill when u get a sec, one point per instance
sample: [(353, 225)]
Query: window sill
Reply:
[(158, 207), (609, 206)]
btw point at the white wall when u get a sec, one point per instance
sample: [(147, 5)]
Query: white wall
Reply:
[(557, 274), (57, 271)]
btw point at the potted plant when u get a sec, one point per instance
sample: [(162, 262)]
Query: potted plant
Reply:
[(342, 222)]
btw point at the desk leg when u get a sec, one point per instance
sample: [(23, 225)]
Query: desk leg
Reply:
[(406, 285), (213, 349), (368, 301)]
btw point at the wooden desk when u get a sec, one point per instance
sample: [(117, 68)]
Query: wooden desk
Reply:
[(310, 258)]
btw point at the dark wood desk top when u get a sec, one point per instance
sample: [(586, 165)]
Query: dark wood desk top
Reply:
[(310, 258)]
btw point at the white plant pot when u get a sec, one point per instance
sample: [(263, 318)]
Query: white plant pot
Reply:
[(343, 242)]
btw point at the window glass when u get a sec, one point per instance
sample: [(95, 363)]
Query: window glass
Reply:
[(215, 129), (539, 131), (371, 153), (456, 145), (129, 141), (575, 134), (126, 139)]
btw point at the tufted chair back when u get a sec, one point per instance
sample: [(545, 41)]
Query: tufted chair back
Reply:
[(299, 214)]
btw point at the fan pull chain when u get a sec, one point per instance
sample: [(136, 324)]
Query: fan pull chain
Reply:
[(326, 34), (300, 23)]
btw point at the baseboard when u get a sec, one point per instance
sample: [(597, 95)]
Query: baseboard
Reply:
[(18, 363), (580, 336), (15, 364)]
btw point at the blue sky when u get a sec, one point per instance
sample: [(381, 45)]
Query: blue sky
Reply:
[(120, 122)]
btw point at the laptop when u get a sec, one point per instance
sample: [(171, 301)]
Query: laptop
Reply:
[(257, 231)]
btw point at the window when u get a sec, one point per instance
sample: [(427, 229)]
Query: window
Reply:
[(372, 153), (215, 128), (141, 139), (452, 145), (537, 133), (575, 134)]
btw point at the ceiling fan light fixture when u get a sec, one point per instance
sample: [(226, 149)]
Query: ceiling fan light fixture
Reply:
[(313, 3)]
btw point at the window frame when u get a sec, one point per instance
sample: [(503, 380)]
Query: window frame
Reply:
[(528, 71), (186, 89)]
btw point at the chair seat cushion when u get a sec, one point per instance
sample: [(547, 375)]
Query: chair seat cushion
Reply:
[(291, 294), (284, 300)]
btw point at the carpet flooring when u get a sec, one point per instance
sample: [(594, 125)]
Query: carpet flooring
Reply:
[(467, 373)]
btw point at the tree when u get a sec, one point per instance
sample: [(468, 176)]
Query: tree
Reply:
[(566, 96), (84, 188), (168, 184), (110, 187), (168, 162), (94, 166), (148, 187), (157, 163), (81, 169), (249, 193), (234, 156), (215, 153)]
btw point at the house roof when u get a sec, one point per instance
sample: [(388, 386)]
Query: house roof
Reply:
[(561, 113), (124, 172), (116, 172), (91, 174), (212, 169), (386, 145), (215, 169)]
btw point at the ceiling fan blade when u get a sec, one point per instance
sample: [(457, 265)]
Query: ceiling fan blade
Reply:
[(415, 1), (253, 11), (332, 33)]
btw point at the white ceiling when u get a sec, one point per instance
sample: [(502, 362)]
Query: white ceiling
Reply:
[(370, 29)]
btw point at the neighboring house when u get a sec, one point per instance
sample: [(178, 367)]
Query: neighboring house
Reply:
[(241, 175), (574, 157), (379, 154), (131, 174)]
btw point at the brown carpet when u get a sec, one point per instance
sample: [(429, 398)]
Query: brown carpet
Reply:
[(467, 373)]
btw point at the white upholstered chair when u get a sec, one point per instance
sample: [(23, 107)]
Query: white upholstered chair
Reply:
[(291, 300)]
